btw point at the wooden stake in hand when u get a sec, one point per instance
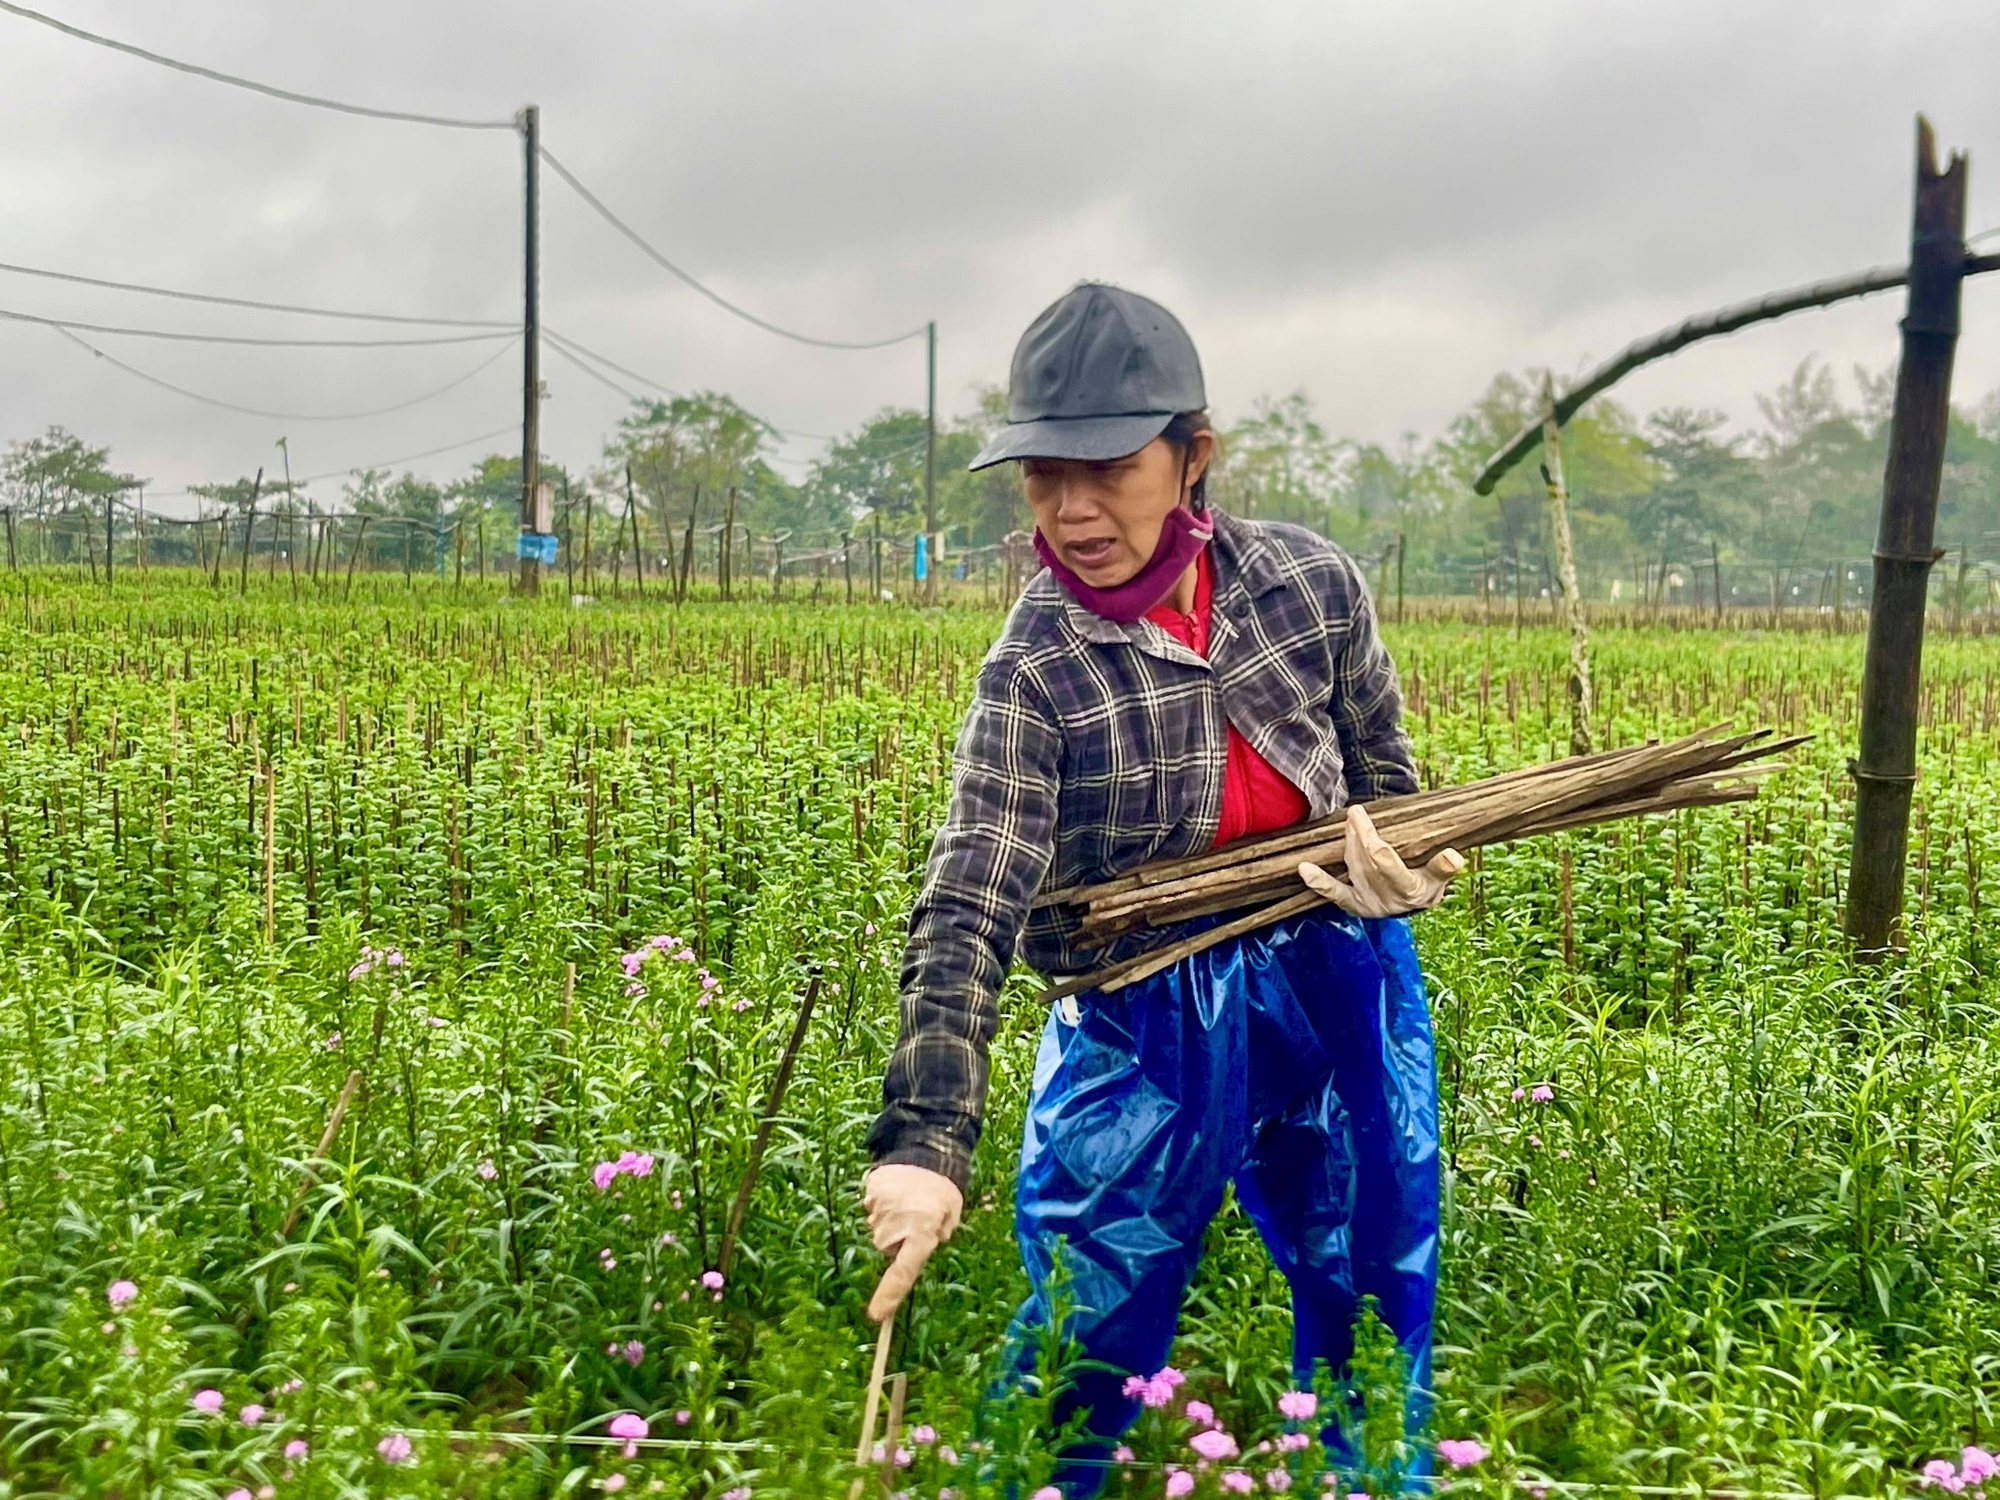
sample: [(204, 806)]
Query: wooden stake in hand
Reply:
[(873, 1404)]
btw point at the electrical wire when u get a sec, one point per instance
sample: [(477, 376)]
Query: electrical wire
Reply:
[(716, 297), (407, 117), (288, 307), (605, 380), (226, 338), (631, 374), (281, 416)]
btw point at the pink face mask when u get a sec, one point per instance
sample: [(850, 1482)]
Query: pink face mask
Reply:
[(1182, 536)]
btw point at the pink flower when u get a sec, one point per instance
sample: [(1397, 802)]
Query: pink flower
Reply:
[(1200, 1411), (635, 989), (332, 1042), (743, 1004), (1294, 1442), (1939, 1471), (1237, 1481), (239, 1493), (686, 955), (1122, 1454), (683, 1417), (613, 1483), (949, 1454), (633, 1352), (1518, 1095), (1214, 1444), (1976, 1465), (1542, 1093), (107, 1328), (436, 1021), (923, 1434), (631, 1427), (1179, 1483), (630, 962), (487, 1170), (395, 1448), (250, 1414), (1047, 1492), (712, 1280), (1535, 1140), (1279, 1480), (662, 941), (294, 1384), (207, 1399), (1462, 1453), (120, 1293), (741, 1492), (604, 1174), (708, 980), (1298, 1405)]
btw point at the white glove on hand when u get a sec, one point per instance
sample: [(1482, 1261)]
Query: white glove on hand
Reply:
[(1378, 883), (911, 1211)]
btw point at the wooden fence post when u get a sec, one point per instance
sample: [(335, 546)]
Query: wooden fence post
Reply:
[(1885, 769)]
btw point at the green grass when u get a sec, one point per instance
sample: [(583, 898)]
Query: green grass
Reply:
[(1748, 1243)]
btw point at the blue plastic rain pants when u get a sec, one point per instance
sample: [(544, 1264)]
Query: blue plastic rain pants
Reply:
[(1295, 1062)]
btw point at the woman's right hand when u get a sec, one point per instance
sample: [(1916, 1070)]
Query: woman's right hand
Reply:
[(911, 1211)]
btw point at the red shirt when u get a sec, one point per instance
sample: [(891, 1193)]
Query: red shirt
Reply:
[(1256, 796)]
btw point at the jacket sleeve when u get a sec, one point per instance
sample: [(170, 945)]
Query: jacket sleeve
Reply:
[(1367, 706), (985, 866)]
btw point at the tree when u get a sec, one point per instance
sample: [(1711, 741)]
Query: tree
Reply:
[(59, 477), (706, 439), (879, 466), (1705, 488)]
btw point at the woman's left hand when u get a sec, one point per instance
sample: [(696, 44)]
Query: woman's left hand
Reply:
[(1378, 883)]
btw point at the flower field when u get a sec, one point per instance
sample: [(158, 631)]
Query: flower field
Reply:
[(392, 991)]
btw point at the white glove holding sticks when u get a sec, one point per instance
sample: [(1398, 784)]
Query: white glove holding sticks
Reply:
[(1378, 883)]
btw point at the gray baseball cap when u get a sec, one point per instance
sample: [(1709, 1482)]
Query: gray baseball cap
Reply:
[(1098, 375)]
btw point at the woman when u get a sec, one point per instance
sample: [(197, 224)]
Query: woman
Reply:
[(1177, 678)]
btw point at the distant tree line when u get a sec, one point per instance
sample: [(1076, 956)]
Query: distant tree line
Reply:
[(1658, 502)]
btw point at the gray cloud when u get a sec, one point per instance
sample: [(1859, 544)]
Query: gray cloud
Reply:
[(1381, 205)]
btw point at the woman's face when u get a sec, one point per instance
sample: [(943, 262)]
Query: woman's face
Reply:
[(1104, 518)]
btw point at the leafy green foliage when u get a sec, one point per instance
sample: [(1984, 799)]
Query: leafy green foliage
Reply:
[(1745, 1240)]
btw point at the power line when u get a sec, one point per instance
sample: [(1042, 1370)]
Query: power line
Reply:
[(447, 121), (604, 380), (281, 416), (289, 307), (384, 463), (226, 338), (631, 374), (716, 297)]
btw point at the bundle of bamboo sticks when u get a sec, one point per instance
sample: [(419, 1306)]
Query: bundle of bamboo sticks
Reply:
[(1260, 876)]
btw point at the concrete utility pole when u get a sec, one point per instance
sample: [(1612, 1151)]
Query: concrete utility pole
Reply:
[(930, 461), (1885, 770), (531, 347)]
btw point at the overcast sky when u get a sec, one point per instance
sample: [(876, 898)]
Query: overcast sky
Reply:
[(1380, 204)]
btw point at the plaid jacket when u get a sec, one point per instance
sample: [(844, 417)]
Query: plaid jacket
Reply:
[(1091, 747)]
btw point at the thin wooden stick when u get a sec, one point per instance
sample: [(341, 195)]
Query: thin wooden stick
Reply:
[(339, 1113), (766, 1124), (899, 1388), (873, 1404)]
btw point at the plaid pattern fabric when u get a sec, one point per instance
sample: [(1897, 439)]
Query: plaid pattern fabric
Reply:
[(1091, 747)]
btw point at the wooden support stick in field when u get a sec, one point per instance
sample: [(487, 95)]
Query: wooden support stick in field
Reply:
[(270, 850), (333, 1119), (766, 1124), (899, 1390), (1571, 601)]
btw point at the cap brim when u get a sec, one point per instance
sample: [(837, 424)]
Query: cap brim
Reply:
[(1091, 439)]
